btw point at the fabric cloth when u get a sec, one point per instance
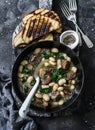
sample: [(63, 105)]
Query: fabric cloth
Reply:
[(9, 118)]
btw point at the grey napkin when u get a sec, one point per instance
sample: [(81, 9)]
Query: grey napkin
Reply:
[(9, 118)]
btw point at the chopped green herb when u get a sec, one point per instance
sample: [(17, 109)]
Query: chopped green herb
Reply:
[(52, 54), (46, 56), (64, 75), (36, 65), (60, 56), (33, 99), (58, 74), (24, 79), (25, 88), (55, 75), (33, 82), (46, 90), (26, 70)]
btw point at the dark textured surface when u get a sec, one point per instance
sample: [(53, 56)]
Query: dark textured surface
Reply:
[(10, 15)]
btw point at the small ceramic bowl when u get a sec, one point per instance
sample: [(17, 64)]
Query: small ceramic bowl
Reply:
[(69, 38)]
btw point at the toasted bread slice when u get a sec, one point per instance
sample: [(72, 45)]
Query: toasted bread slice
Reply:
[(47, 37), (37, 27), (59, 30), (42, 12), (18, 39), (27, 16)]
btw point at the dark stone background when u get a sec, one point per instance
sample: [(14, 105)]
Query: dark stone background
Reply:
[(11, 13)]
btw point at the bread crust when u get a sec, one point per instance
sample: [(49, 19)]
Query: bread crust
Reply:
[(37, 24)]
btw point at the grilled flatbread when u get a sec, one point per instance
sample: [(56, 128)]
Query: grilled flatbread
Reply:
[(42, 12), (47, 37), (38, 27), (37, 24), (18, 39)]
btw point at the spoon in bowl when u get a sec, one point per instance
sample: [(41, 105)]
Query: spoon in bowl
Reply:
[(24, 108)]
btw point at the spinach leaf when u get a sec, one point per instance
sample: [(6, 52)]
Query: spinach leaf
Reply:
[(60, 56), (45, 90), (33, 82), (46, 56), (26, 70), (33, 99), (51, 54), (25, 88), (58, 74), (24, 79)]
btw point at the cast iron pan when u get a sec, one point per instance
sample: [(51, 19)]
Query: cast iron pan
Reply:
[(48, 44)]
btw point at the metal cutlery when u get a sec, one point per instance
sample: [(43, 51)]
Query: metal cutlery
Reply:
[(67, 13), (73, 9)]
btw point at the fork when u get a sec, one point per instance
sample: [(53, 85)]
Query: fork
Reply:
[(67, 13), (73, 9)]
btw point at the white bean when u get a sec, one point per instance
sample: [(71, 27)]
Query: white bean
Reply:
[(74, 69), (46, 97), (20, 68), (60, 88), (38, 91), (72, 87), (55, 50), (52, 59), (51, 84), (37, 50), (45, 86), (24, 62), (68, 59), (30, 78), (46, 63), (20, 75), (52, 63), (61, 102), (65, 55), (73, 82), (43, 59), (40, 71), (58, 63), (38, 95), (62, 93), (54, 103), (65, 85), (61, 81), (55, 87)]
